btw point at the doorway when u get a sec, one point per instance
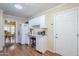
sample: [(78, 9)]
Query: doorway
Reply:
[(9, 33)]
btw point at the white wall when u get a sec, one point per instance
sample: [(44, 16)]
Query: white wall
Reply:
[(1, 30)]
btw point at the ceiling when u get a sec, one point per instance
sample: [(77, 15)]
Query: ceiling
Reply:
[(29, 9)]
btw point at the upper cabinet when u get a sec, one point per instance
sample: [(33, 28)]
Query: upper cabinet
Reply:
[(38, 21), (34, 22), (43, 22)]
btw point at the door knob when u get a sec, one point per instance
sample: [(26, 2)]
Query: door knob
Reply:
[(56, 34), (77, 35), (56, 37)]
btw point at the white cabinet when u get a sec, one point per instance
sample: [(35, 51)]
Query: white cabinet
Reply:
[(41, 43), (43, 22), (34, 22), (38, 21), (31, 22)]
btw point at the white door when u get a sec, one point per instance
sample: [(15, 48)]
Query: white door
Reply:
[(66, 32)]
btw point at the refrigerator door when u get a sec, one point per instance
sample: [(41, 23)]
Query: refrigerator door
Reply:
[(24, 34)]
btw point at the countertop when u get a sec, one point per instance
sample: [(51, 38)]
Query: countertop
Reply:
[(31, 35)]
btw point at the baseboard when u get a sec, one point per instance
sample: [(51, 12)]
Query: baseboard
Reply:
[(52, 49), (39, 52)]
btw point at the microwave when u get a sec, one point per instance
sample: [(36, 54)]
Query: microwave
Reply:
[(41, 33)]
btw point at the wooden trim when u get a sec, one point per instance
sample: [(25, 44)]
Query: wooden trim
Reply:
[(39, 52)]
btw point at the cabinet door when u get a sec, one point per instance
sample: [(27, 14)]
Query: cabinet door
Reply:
[(31, 22), (41, 43), (38, 43), (66, 32), (42, 22), (35, 21)]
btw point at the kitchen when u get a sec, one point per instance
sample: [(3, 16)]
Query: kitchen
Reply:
[(35, 33), (28, 31), (45, 29), (41, 37)]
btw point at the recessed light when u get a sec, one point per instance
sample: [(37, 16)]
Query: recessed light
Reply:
[(18, 6)]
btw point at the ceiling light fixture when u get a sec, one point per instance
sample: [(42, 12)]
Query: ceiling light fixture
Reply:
[(18, 6)]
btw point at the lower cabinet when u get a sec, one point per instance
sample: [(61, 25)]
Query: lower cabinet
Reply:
[(41, 43)]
